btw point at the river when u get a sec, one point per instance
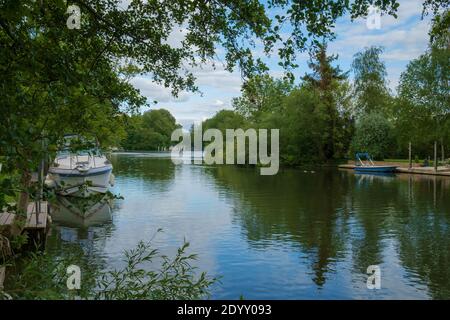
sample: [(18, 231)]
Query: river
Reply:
[(300, 234)]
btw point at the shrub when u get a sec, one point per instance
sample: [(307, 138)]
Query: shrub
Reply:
[(43, 276)]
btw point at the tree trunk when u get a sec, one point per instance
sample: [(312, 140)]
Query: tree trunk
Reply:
[(25, 183), (435, 157)]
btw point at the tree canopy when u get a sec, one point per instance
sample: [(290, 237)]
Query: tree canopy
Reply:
[(149, 131), (370, 84), (56, 80)]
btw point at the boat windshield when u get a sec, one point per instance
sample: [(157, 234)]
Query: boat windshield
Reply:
[(74, 145), (67, 152)]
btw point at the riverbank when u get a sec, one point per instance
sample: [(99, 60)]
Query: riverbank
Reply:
[(403, 167)]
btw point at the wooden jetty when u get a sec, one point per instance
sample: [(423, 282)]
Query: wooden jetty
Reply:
[(11, 224), (36, 225), (441, 171)]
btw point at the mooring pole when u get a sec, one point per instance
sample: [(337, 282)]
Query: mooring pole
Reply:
[(435, 156), (40, 190), (40, 194), (410, 159)]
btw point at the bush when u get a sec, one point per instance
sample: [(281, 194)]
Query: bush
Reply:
[(373, 135), (43, 276)]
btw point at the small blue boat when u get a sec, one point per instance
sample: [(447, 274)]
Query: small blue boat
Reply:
[(368, 166)]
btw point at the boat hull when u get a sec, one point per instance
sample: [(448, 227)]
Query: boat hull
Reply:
[(75, 183), (376, 169)]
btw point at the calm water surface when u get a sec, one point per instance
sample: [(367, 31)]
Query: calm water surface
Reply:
[(296, 235)]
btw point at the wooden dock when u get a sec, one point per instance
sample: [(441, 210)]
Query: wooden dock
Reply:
[(442, 171), (35, 226), (39, 221), (9, 227)]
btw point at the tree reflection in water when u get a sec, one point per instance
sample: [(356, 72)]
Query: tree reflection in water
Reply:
[(333, 215)]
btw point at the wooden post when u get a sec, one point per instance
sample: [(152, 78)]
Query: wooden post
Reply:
[(410, 159), (435, 156)]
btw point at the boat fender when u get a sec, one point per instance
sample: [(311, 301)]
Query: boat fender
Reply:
[(50, 183)]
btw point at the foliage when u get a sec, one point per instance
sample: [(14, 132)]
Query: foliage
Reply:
[(370, 84), (174, 280), (423, 99), (149, 131), (43, 276), (328, 81), (225, 119), (261, 94), (374, 135), (301, 135), (314, 119), (56, 80)]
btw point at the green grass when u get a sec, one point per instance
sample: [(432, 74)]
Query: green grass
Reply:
[(399, 160), (407, 161)]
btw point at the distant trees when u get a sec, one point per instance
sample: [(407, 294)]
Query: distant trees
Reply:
[(370, 86), (149, 131), (329, 83), (225, 119), (373, 134), (261, 94), (327, 118), (422, 112), (54, 79), (302, 126), (314, 118), (372, 104)]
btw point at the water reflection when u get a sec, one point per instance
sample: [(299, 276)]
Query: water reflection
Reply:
[(81, 212), (80, 230), (294, 235), (337, 216), (150, 166)]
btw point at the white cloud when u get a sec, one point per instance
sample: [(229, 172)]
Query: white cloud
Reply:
[(192, 112), (410, 41), (403, 39), (176, 37), (153, 91), (219, 103), (213, 74)]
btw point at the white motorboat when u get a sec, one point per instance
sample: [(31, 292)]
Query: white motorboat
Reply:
[(80, 173)]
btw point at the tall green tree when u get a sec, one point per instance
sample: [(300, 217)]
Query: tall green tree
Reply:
[(301, 127), (225, 119), (327, 79), (150, 131), (423, 108), (261, 94), (371, 89), (373, 134)]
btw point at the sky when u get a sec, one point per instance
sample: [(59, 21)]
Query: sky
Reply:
[(403, 39)]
